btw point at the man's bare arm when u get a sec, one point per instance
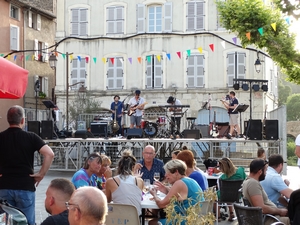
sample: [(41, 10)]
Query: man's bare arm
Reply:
[(257, 201), (297, 151)]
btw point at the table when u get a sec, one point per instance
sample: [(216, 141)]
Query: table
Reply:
[(213, 179), (149, 204)]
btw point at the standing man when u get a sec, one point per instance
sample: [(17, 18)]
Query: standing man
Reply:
[(136, 104), (175, 115), (297, 149), (17, 178), (58, 193), (233, 116), (116, 109)]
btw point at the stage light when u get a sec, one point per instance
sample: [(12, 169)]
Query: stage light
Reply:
[(264, 87), (255, 87), (245, 87), (236, 86)]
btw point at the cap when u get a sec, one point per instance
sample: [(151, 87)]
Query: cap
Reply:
[(257, 164), (137, 92), (170, 99)]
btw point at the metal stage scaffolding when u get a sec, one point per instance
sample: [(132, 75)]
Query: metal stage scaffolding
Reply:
[(71, 153)]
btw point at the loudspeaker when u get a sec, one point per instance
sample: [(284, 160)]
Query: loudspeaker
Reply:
[(35, 127), (47, 129), (192, 134), (255, 129), (204, 130), (81, 134), (100, 129), (133, 133), (271, 129)]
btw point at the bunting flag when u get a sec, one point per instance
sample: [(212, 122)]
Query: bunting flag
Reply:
[(1, 55), (248, 35), (27, 57), (261, 31), (169, 56), (71, 57), (15, 57), (139, 59), (95, 59), (112, 60), (223, 44), (121, 60), (273, 25), (179, 54), (130, 60), (158, 57), (212, 47), (79, 58), (32, 57), (63, 55), (8, 57), (234, 39), (200, 50), (22, 57), (103, 60), (288, 21), (188, 52), (148, 58), (56, 54), (87, 59)]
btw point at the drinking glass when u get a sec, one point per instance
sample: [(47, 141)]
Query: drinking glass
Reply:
[(156, 176), (146, 185)]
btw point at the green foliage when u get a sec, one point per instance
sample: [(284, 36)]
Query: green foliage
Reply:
[(290, 149), (292, 161), (288, 7), (284, 92), (293, 107), (248, 16), (42, 94)]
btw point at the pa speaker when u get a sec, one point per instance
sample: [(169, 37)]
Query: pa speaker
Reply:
[(47, 129), (254, 130), (81, 134), (133, 133), (271, 129), (192, 134), (35, 127), (100, 129), (204, 130)]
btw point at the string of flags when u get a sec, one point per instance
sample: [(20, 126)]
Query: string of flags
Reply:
[(139, 59)]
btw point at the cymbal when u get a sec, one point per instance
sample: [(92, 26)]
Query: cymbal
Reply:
[(191, 118)]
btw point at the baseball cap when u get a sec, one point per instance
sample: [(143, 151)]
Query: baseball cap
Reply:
[(137, 92), (257, 164), (170, 99)]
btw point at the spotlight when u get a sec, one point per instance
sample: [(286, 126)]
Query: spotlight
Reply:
[(264, 87), (255, 87), (236, 86), (245, 87)]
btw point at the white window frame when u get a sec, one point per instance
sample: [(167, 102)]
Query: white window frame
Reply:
[(44, 85), (79, 23), (153, 24), (154, 72), (78, 72), (195, 71), (115, 19), (195, 15), (115, 73), (14, 37), (236, 67), (17, 16)]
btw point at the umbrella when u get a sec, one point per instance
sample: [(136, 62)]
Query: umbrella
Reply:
[(13, 80)]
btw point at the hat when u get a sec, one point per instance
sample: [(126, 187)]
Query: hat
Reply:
[(137, 92), (257, 164), (171, 99)]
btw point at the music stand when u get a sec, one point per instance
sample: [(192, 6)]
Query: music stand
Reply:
[(241, 108)]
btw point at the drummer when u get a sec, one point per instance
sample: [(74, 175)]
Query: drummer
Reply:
[(175, 113)]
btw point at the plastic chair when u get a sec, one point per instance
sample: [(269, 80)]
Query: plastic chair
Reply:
[(13, 214), (250, 215), (122, 214)]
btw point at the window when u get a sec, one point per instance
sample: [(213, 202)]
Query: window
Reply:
[(236, 67), (79, 22), (195, 71), (154, 71), (157, 19), (34, 20), (219, 24), (41, 51), (195, 16), (14, 12), (14, 38), (115, 73), (115, 20), (78, 73), (43, 90)]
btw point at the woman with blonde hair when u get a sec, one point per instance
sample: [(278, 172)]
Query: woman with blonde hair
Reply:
[(104, 173)]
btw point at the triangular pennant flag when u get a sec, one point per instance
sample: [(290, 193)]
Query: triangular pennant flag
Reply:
[(56, 54), (158, 57), (103, 60), (288, 20), (8, 57), (27, 57), (234, 39), (79, 58), (95, 59), (22, 57), (188, 52), (212, 47), (71, 57), (200, 49), (261, 31), (112, 60), (169, 56), (223, 44), (32, 57), (148, 58), (1, 55), (130, 60), (139, 59), (87, 59), (121, 60), (15, 57), (248, 35), (273, 25), (179, 54), (63, 55)]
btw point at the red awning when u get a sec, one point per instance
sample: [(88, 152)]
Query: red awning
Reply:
[(13, 80)]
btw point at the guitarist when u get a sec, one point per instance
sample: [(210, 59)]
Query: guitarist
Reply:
[(117, 106), (137, 105)]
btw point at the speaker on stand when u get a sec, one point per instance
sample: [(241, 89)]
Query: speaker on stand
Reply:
[(253, 129), (35, 127), (271, 129), (47, 129)]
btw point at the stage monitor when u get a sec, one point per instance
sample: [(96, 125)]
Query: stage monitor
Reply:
[(99, 129)]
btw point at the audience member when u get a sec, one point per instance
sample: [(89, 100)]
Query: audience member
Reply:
[(184, 189), (150, 165), (57, 194), (187, 156), (125, 188), (104, 173), (88, 205), (83, 177), (18, 181), (261, 153), (297, 143), (175, 153), (255, 194), (275, 187)]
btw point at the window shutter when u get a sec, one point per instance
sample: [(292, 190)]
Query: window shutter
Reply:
[(14, 38), (29, 19), (149, 71), (75, 22), (200, 71), (191, 71), (119, 72), (110, 12), (46, 52), (120, 20), (110, 74), (199, 15), (39, 22), (36, 49), (141, 18), (241, 65), (168, 17), (230, 68), (35, 78), (190, 15), (83, 22), (76, 70), (157, 72)]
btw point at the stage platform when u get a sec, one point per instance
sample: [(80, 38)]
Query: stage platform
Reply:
[(70, 153)]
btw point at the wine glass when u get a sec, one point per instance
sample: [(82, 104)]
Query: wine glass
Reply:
[(156, 176), (146, 185)]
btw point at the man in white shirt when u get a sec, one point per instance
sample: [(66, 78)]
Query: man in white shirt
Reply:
[(136, 104)]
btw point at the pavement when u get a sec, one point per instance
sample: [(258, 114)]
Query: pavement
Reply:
[(292, 175)]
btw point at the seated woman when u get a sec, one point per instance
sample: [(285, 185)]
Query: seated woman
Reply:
[(184, 189), (230, 172), (125, 188), (104, 173), (84, 176)]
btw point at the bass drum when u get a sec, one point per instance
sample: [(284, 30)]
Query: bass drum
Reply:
[(150, 129)]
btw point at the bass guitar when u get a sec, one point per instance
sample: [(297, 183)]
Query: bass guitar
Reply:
[(115, 125), (214, 129), (134, 108)]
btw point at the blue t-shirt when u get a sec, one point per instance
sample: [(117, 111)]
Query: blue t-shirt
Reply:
[(200, 179), (157, 167), (81, 179)]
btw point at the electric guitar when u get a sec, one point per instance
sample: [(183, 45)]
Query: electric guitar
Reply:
[(133, 108), (214, 130), (264, 123)]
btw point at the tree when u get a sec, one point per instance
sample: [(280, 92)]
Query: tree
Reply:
[(284, 92), (251, 15), (292, 107), (289, 8)]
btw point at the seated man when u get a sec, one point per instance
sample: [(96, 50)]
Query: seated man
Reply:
[(58, 192), (253, 191), (273, 184)]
